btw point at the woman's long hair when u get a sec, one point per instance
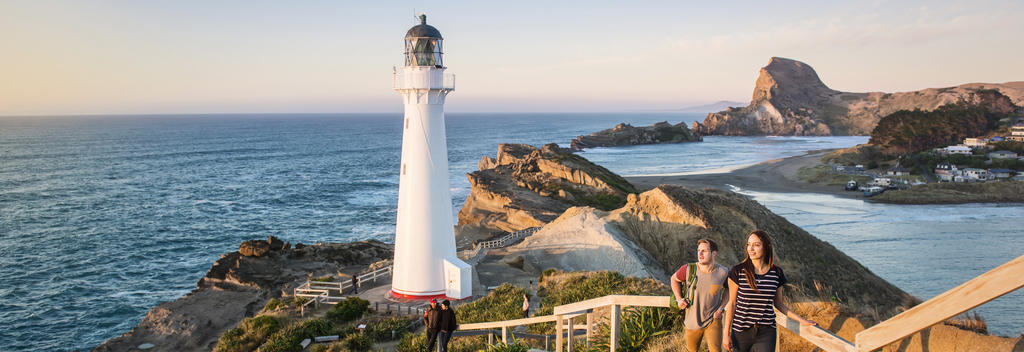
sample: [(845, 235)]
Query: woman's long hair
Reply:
[(768, 257)]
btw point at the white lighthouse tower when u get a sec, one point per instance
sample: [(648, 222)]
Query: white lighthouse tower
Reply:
[(425, 262)]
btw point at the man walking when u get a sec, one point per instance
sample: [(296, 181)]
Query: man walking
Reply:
[(431, 319), (698, 289)]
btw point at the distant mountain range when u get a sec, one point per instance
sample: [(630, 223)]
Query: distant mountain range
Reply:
[(790, 99)]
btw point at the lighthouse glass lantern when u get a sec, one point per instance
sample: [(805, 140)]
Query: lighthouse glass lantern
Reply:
[(423, 45)]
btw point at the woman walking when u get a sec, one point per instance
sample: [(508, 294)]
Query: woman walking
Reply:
[(755, 286)]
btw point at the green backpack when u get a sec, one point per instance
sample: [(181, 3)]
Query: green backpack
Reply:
[(691, 283)]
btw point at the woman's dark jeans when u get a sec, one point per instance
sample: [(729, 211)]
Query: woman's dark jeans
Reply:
[(444, 336), (758, 338)]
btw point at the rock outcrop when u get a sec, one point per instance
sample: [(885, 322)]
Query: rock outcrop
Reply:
[(237, 286), (526, 187), (625, 134), (790, 99), (583, 240)]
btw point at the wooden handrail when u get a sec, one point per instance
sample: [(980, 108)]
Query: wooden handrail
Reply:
[(610, 300), (514, 322), (817, 335), (997, 282)]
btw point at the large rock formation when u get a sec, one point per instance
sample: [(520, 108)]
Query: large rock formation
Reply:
[(790, 99), (526, 187), (625, 134), (237, 286)]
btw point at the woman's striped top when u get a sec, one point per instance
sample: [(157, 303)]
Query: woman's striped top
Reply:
[(755, 307)]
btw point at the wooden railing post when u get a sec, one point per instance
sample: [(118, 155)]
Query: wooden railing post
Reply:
[(558, 333), (616, 330), (504, 335), (570, 339), (590, 326), (490, 339)]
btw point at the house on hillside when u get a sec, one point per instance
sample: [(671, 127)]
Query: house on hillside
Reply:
[(897, 171), (957, 149), (1002, 154), (1000, 173), (1016, 133), (975, 142), (946, 171), (972, 174)]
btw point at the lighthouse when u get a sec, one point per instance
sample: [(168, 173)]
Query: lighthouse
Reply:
[(425, 263)]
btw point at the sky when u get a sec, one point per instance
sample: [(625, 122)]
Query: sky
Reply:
[(177, 57)]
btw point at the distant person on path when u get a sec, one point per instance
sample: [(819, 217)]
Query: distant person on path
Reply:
[(755, 285), (526, 306), (447, 323), (698, 288), (431, 319), (355, 284)]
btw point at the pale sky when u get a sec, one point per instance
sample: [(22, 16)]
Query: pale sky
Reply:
[(167, 57)]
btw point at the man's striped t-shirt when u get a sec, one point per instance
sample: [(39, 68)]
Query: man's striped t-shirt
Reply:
[(755, 307)]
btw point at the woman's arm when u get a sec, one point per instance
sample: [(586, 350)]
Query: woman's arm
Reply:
[(730, 309), (784, 309)]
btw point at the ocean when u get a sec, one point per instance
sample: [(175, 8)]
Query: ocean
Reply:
[(104, 217)]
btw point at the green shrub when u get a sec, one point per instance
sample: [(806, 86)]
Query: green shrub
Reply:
[(327, 278), (412, 343), (640, 325), (504, 303), (288, 339), (319, 348), (381, 330), (348, 309), (514, 345), (249, 334), (356, 342), (273, 304), (564, 288)]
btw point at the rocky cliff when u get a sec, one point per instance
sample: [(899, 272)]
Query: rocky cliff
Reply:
[(790, 99), (238, 285), (625, 134), (526, 187)]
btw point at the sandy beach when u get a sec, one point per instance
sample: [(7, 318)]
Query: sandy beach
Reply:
[(779, 175)]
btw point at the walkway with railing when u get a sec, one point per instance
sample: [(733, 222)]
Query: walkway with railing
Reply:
[(986, 287), (330, 292)]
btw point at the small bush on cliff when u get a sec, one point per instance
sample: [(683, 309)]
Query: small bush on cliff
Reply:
[(347, 310), (504, 303), (288, 339), (639, 327), (381, 330), (564, 288), (248, 335)]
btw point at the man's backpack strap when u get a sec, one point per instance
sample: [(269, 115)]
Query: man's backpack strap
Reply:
[(691, 281)]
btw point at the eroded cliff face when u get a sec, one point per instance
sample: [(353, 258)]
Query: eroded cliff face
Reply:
[(790, 99), (526, 187)]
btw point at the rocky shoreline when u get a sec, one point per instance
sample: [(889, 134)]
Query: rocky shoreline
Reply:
[(237, 286)]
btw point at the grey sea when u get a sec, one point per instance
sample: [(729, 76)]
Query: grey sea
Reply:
[(103, 217)]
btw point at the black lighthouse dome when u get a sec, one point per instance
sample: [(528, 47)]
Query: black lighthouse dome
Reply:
[(423, 45)]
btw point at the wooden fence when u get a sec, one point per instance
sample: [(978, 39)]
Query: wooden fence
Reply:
[(986, 287)]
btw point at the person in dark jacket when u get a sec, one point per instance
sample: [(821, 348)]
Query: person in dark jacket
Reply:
[(447, 323), (431, 319)]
